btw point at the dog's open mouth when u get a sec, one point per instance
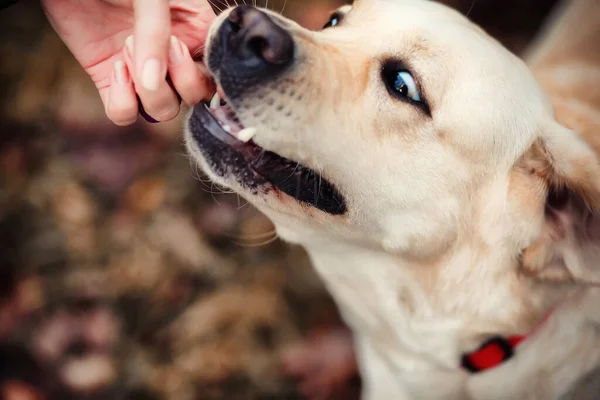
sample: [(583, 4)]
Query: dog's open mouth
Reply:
[(222, 138)]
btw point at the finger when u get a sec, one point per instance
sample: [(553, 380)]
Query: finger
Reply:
[(152, 32), (161, 104), (188, 80), (121, 105)]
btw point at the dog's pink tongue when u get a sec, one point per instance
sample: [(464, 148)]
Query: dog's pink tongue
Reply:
[(228, 119)]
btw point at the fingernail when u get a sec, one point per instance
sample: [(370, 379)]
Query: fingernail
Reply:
[(129, 45), (176, 51), (121, 74), (152, 74), (184, 49)]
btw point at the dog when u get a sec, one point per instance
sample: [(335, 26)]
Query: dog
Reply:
[(446, 191)]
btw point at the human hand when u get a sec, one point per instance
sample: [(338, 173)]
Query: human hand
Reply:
[(160, 35)]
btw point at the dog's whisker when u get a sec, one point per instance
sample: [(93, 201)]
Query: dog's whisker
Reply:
[(266, 242), (244, 205), (195, 170), (212, 188), (213, 192), (246, 202), (318, 190), (292, 173), (471, 8), (252, 236), (216, 189), (298, 187), (198, 176), (213, 196), (214, 4)]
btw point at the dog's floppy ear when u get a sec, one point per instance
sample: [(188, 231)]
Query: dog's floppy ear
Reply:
[(568, 248)]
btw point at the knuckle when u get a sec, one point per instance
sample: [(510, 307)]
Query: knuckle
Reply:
[(191, 88), (157, 33), (189, 85), (192, 97), (191, 100)]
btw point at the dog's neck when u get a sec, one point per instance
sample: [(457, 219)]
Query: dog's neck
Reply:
[(411, 316), (385, 304), (384, 298), (406, 327)]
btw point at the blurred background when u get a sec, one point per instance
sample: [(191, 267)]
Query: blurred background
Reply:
[(124, 273)]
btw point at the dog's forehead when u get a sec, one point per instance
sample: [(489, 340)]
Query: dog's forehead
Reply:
[(393, 25), (407, 11), (434, 39)]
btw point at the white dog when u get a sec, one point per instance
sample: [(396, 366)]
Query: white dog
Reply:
[(447, 196)]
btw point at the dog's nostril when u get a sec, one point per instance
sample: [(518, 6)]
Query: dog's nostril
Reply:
[(257, 46), (278, 49)]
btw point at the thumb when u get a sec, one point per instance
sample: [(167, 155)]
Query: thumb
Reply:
[(152, 34)]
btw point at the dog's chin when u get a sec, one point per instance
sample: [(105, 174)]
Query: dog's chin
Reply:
[(231, 155)]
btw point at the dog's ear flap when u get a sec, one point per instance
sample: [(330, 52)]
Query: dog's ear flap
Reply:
[(568, 248)]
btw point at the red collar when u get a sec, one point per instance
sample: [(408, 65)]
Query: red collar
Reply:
[(495, 351)]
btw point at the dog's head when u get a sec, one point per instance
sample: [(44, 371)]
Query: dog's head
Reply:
[(401, 126)]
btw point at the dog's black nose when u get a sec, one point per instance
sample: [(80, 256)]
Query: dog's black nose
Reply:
[(252, 49), (256, 39)]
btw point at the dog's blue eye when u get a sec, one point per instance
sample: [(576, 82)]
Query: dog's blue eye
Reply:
[(333, 21), (405, 86), (401, 84)]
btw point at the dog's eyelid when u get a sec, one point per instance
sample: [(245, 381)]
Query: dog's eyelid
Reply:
[(398, 64), (336, 16), (344, 10)]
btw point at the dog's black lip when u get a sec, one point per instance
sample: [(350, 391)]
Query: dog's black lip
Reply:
[(271, 167)]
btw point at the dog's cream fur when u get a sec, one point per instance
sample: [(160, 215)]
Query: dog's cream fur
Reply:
[(447, 241)]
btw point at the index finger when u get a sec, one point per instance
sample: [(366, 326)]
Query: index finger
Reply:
[(152, 34)]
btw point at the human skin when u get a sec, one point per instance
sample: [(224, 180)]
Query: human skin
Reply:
[(132, 48)]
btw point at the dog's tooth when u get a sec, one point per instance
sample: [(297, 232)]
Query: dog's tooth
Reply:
[(226, 128), (246, 134), (215, 101)]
